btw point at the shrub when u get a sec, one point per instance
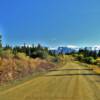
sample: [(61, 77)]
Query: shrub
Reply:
[(98, 61), (21, 56), (75, 55), (6, 54), (90, 60), (40, 54), (80, 57)]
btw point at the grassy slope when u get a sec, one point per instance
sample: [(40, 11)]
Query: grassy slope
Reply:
[(61, 84)]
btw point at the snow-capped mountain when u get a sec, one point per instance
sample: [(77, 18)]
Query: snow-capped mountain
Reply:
[(70, 49), (65, 50)]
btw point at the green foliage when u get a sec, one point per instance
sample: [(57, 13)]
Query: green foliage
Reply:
[(75, 55), (99, 53), (88, 56), (80, 57), (34, 51), (6, 54), (90, 60), (7, 47), (55, 59), (21, 56), (98, 61), (1, 51), (0, 41), (88, 53)]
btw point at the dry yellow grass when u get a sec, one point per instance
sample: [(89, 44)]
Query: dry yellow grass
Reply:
[(97, 70), (20, 66)]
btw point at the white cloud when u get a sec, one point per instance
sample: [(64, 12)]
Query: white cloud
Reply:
[(72, 46), (98, 46)]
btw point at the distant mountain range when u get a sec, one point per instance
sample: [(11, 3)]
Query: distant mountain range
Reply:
[(66, 50)]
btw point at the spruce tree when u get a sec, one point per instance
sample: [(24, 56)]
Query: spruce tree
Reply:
[(0, 41), (1, 45)]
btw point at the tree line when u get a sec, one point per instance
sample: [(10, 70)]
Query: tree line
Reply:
[(31, 51), (88, 56)]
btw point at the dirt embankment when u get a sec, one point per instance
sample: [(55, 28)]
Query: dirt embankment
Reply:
[(11, 69)]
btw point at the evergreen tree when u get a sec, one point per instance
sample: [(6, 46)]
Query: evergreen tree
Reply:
[(99, 53), (0, 41), (1, 45)]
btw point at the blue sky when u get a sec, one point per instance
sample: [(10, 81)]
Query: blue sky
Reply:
[(50, 22)]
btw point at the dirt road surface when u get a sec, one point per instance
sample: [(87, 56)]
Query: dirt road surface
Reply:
[(71, 82)]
